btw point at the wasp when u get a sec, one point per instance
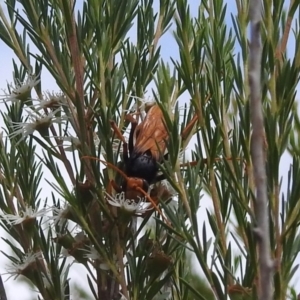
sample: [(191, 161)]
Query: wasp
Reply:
[(145, 149), (142, 154)]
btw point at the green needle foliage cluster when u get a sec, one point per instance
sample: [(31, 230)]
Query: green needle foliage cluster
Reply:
[(106, 57)]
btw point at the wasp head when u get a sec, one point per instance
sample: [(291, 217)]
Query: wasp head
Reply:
[(134, 187)]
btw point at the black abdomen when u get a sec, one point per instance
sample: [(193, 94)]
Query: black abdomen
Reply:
[(142, 166)]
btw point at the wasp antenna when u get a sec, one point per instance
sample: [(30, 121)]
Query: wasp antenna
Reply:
[(107, 164)]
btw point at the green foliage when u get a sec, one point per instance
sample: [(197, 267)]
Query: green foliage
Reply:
[(106, 57)]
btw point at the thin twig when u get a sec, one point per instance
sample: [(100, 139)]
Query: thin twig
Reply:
[(257, 153), (281, 47)]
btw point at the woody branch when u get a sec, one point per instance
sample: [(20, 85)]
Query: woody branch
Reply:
[(257, 152)]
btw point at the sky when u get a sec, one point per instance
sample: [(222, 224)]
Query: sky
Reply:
[(14, 288)]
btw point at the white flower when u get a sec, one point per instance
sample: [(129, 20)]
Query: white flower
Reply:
[(40, 123), (28, 214), (52, 101), (22, 266), (129, 205), (91, 253), (59, 215), (22, 90)]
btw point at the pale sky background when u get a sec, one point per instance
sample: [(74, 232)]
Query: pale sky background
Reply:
[(17, 289)]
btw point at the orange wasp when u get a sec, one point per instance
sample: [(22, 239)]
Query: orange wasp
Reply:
[(146, 148), (147, 145)]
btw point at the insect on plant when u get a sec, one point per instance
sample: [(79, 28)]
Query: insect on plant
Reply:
[(141, 155)]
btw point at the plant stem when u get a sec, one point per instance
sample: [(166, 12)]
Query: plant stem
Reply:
[(258, 155)]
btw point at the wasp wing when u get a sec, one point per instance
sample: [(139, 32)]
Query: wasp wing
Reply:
[(151, 134)]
